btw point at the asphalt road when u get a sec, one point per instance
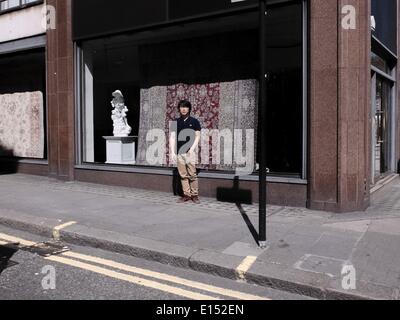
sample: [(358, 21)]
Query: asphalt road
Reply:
[(92, 274)]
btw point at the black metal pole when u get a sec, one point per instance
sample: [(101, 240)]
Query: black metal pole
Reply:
[(263, 115)]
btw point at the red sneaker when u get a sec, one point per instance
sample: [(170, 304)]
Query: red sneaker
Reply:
[(196, 199), (184, 199)]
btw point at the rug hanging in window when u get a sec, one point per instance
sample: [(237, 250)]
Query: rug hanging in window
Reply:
[(22, 125), (218, 106)]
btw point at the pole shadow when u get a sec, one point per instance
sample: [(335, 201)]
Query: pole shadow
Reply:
[(248, 222), (239, 197)]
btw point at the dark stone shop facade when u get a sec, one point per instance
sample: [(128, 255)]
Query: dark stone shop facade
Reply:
[(332, 112)]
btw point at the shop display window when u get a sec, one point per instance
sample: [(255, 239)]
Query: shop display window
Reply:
[(215, 65), (23, 105)]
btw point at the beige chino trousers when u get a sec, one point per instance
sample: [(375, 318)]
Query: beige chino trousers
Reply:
[(187, 171)]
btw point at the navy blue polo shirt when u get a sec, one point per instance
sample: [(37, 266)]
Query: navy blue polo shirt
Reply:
[(186, 133)]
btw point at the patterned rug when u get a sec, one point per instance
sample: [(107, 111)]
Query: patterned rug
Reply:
[(225, 105), (22, 125)]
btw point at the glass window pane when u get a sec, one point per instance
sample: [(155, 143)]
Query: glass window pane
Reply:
[(214, 64), (380, 63), (10, 4), (199, 61), (284, 125)]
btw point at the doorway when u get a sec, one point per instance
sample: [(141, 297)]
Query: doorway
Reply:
[(381, 127)]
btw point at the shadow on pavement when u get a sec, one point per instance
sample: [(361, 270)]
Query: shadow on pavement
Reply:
[(8, 164), (235, 194), (6, 253), (176, 183), (232, 195), (246, 219)]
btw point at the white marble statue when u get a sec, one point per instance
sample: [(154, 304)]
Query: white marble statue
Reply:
[(121, 127)]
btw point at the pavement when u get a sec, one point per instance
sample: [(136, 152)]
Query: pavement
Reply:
[(310, 253)]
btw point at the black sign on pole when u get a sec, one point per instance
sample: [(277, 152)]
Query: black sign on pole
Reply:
[(263, 114)]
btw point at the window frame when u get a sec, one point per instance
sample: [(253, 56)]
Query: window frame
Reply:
[(22, 5), (300, 178), (21, 46)]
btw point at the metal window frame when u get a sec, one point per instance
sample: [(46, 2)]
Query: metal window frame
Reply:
[(21, 45), (79, 145), (305, 91), (18, 45), (22, 5), (393, 125), (78, 89), (373, 132), (392, 113), (392, 59)]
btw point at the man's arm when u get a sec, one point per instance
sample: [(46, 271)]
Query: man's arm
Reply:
[(196, 142)]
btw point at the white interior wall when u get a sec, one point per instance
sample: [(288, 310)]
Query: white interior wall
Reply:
[(89, 110)]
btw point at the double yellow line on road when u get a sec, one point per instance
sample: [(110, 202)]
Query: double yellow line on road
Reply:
[(97, 265)]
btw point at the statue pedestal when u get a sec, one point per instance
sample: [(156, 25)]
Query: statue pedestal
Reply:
[(121, 150)]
